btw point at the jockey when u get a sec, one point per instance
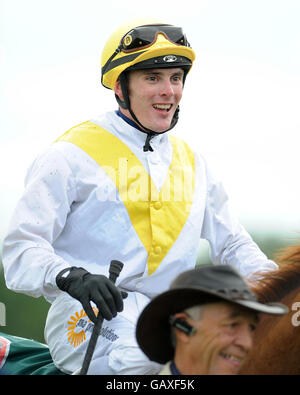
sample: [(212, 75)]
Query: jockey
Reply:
[(121, 186)]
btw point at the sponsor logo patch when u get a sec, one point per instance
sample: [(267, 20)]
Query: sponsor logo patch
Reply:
[(170, 58), (79, 325)]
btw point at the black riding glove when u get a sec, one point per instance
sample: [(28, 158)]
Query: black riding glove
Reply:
[(87, 287)]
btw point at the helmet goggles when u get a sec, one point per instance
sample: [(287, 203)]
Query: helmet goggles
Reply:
[(144, 36)]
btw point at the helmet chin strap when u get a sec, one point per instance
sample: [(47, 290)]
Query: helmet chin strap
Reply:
[(125, 104)]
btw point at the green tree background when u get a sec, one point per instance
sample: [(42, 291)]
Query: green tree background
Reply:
[(26, 316)]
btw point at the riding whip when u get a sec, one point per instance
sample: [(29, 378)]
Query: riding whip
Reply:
[(114, 271)]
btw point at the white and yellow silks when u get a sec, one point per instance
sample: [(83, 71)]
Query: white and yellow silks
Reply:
[(157, 216)]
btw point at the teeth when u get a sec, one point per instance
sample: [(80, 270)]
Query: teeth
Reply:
[(162, 106), (233, 358)]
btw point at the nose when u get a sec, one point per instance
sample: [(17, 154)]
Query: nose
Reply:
[(167, 88), (244, 338)]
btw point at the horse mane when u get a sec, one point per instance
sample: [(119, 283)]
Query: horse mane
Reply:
[(274, 285)]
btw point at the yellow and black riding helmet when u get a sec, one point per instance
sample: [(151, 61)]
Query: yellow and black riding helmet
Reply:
[(143, 44)]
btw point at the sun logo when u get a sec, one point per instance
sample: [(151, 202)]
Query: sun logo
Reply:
[(79, 325)]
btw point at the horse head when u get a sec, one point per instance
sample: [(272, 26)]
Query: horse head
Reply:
[(277, 339)]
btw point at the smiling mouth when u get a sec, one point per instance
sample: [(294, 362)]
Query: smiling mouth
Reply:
[(232, 358), (162, 107)]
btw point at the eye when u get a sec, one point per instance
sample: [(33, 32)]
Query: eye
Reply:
[(252, 327), (151, 78), (177, 78), (232, 324)]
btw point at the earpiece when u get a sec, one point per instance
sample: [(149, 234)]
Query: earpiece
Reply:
[(182, 325)]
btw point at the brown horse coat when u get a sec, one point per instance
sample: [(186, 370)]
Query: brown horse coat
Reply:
[(277, 340)]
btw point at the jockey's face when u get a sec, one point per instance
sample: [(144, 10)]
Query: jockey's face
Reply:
[(223, 338), (154, 96)]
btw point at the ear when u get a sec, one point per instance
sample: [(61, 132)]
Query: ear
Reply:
[(181, 335), (118, 90)]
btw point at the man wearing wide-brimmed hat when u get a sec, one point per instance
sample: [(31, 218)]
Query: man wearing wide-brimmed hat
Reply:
[(204, 323)]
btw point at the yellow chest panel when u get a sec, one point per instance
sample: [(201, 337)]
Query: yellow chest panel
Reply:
[(157, 216)]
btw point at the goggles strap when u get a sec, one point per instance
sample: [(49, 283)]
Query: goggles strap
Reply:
[(105, 67)]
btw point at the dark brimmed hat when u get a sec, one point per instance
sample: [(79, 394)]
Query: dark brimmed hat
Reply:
[(204, 284)]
